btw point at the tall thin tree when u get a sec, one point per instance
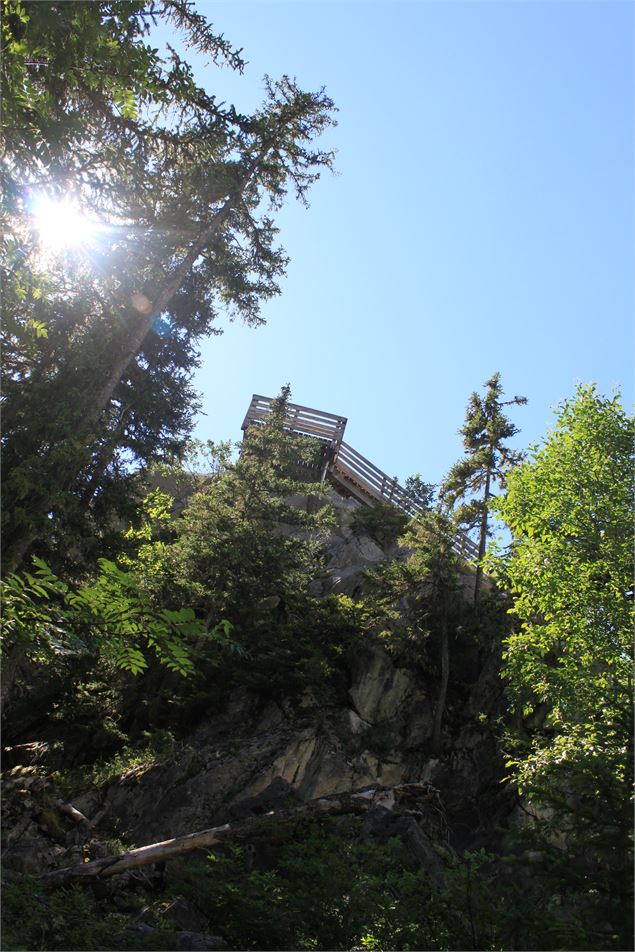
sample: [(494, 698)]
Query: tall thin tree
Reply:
[(487, 460), (435, 564)]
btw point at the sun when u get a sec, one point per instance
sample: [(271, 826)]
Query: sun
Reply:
[(61, 224)]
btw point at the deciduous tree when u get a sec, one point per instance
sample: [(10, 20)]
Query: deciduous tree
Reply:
[(570, 509)]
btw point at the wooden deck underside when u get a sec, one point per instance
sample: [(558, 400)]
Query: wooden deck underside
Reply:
[(351, 486), (347, 469)]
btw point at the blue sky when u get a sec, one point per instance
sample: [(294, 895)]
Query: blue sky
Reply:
[(481, 218)]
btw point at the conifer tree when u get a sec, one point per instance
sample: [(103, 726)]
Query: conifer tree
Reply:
[(230, 550), (486, 461), (247, 553), (100, 342)]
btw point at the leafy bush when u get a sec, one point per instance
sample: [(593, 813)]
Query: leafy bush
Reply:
[(68, 918), (44, 617), (318, 884), (323, 890), (33, 920)]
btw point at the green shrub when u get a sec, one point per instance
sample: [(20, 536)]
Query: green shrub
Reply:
[(323, 890), (382, 522), (316, 884), (37, 918)]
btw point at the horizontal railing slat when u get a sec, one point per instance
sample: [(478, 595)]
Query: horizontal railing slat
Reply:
[(304, 420), (299, 426), (373, 477), (310, 429), (263, 413), (267, 401)]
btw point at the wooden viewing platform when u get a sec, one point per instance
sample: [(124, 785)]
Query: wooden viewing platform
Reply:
[(349, 471)]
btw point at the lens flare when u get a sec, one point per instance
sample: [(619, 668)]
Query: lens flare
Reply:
[(61, 224)]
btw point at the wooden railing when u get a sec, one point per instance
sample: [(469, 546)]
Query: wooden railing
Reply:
[(371, 480), (347, 468), (363, 479), (303, 420)]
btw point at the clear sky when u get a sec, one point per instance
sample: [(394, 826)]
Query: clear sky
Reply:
[(481, 218)]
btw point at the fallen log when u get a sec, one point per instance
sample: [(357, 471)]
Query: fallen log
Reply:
[(133, 859), (342, 803), (167, 849)]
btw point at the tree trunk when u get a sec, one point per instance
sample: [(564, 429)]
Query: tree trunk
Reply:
[(17, 553), (482, 541), (145, 319), (173, 284), (443, 687), (335, 804), (105, 457)]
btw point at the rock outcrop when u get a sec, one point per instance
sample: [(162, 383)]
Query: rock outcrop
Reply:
[(256, 758)]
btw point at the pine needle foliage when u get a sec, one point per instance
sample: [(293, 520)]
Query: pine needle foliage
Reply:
[(486, 462), (100, 343)]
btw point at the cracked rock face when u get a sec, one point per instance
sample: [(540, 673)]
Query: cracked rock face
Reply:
[(380, 737), (380, 690), (256, 757), (253, 757), (349, 557), (203, 786)]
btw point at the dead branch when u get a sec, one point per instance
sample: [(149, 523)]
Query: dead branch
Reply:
[(74, 814), (143, 856)]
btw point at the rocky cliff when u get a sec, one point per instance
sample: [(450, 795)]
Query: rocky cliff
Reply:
[(367, 753)]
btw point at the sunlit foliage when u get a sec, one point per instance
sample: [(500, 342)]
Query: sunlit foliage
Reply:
[(569, 663)]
